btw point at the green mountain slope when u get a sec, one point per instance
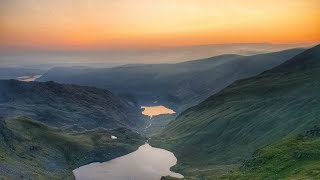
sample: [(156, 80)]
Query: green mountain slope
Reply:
[(177, 86), (31, 150), (226, 128), (292, 158), (43, 128), (67, 106)]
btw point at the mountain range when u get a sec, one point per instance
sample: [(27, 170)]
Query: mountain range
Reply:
[(177, 86)]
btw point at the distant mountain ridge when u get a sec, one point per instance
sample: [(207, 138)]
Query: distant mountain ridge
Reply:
[(67, 105), (178, 86), (229, 126), (110, 57)]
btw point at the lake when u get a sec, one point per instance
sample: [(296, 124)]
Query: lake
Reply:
[(28, 78), (156, 110), (146, 163)]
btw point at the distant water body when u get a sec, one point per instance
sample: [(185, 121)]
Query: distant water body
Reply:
[(28, 78), (146, 163), (156, 110)]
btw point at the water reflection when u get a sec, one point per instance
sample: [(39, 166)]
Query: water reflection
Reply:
[(147, 163), (28, 78), (156, 110)]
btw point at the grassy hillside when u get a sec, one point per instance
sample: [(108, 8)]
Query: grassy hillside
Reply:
[(31, 150), (292, 158), (67, 105), (228, 127), (177, 86), (156, 124)]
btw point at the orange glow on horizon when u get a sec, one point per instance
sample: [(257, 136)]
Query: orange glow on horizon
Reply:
[(145, 23)]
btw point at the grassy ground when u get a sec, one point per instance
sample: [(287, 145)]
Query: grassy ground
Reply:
[(153, 126), (293, 158), (30, 150)]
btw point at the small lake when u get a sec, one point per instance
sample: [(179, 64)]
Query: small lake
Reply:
[(156, 110), (28, 78), (146, 163)]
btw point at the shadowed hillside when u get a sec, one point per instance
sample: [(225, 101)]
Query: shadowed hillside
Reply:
[(67, 105)]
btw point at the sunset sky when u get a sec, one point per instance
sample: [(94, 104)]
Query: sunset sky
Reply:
[(155, 23)]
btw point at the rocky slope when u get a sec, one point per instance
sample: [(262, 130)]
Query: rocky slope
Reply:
[(67, 105)]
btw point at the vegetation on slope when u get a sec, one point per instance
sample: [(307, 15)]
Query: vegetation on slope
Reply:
[(294, 157), (291, 158), (229, 126), (32, 150), (156, 124)]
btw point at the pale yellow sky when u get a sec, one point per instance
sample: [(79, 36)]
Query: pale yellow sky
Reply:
[(151, 23)]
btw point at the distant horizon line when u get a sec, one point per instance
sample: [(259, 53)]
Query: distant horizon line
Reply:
[(98, 49)]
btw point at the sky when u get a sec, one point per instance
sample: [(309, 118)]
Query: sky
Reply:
[(95, 24)]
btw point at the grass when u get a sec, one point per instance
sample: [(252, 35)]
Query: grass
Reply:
[(155, 124), (293, 158)]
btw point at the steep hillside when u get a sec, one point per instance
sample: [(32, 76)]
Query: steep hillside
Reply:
[(292, 158), (32, 150), (177, 86), (67, 105), (227, 127)]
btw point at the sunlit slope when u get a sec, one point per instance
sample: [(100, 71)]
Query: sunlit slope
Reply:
[(31, 150), (177, 86), (227, 127), (292, 158)]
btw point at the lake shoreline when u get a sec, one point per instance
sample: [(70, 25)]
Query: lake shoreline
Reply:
[(146, 163)]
